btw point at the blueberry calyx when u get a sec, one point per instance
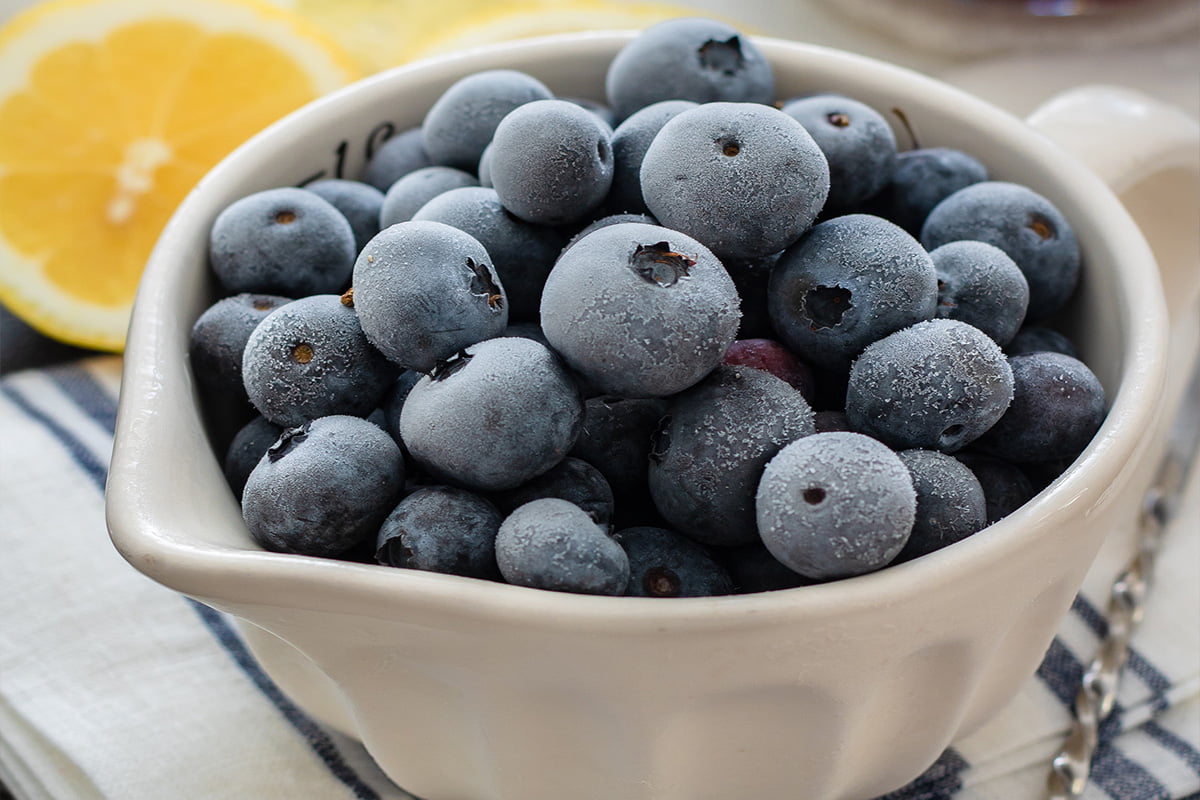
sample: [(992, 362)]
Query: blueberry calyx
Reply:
[(725, 57), (657, 263), (814, 495), (1043, 227), (483, 285), (348, 298), (729, 146), (838, 119), (661, 582), (287, 441), (285, 217), (660, 440), (302, 353), (448, 366), (826, 305)]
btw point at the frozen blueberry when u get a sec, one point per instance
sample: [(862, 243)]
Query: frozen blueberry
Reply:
[(923, 178), (393, 401), (424, 291), (980, 285), (639, 310), (282, 241), (630, 141), (1057, 407), (484, 170), (570, 479), (553, 544), (1022, 223), (694, 59), (615, 439), (406, 196), (246, 449), (218, 340), (744, 179), (522, 253), (551, 162), (395, 158), (663, 563), (856, 140), (498, 414), (1037, 338), (441, 529), (753, 569), (850, 281), (950, 502), (1006, 487), (937, 385), (323, 487), (771, 356), (462, 121), (309, 358), (359, 203), (708, 453), (833, 505)]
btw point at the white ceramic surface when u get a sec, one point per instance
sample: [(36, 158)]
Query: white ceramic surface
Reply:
[(468, 690)]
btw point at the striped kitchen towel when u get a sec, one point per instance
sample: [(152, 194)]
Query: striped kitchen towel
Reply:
[(115, 688)]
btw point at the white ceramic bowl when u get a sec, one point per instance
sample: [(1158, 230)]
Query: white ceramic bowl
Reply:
[(470, 690)]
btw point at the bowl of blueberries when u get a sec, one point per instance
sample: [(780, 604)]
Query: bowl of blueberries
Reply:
[(668, 414)]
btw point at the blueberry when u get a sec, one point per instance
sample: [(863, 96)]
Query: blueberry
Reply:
[(1057, 407), (553, 544), (406, 196), (937, 385), (771, 356), (441, 529), (484, 170), (359, 203), (247, 448), (980, 285), (694, 59), (424, 291), (849, 282), (282, 241), (923, 178), (856, 140), (570, 479), (323, 487), (1006, 487), (1022, 223), (753, 569), (630, 141), (462, 121), (522, 253), (639, 310), (493, 417), (393, 402), (950, 502), (551, 162), (1037, 338), (708, 453), (744, 179), (615, 439), (310, 359), (395, 158), (663, 563), (833, 505), (218, 341)]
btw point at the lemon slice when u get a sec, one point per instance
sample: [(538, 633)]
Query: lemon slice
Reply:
[(384, 33), (110, 110)]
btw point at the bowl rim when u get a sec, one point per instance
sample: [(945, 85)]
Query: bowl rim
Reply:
[(142, 519)]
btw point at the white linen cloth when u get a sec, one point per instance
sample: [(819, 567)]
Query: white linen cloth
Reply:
[(115, 688)]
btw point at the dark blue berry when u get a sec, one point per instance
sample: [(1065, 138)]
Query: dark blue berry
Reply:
[(359, 203), (1006, 487), (923, 178), (570, 479), (663, 563), (395, 158), (282, 241), (630, 141), (980, 285), (406, 196), (615, 439), (753, 569), (1037, 339), (323, 487), (950, 502), (218, 341), (441, 529), (247, 448)]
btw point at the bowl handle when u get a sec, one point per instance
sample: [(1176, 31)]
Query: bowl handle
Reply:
[(1148, 152)]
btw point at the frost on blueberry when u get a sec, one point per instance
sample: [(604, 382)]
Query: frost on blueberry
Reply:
[(553, 544)]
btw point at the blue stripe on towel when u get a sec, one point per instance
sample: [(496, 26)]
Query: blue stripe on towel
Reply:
[(91, 398), (940, 782), (1158, 683), (1174, 744)]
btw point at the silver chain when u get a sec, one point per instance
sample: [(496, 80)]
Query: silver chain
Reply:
[(1097, 692)]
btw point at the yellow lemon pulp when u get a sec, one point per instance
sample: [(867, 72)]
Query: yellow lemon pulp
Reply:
[(110, 110)]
